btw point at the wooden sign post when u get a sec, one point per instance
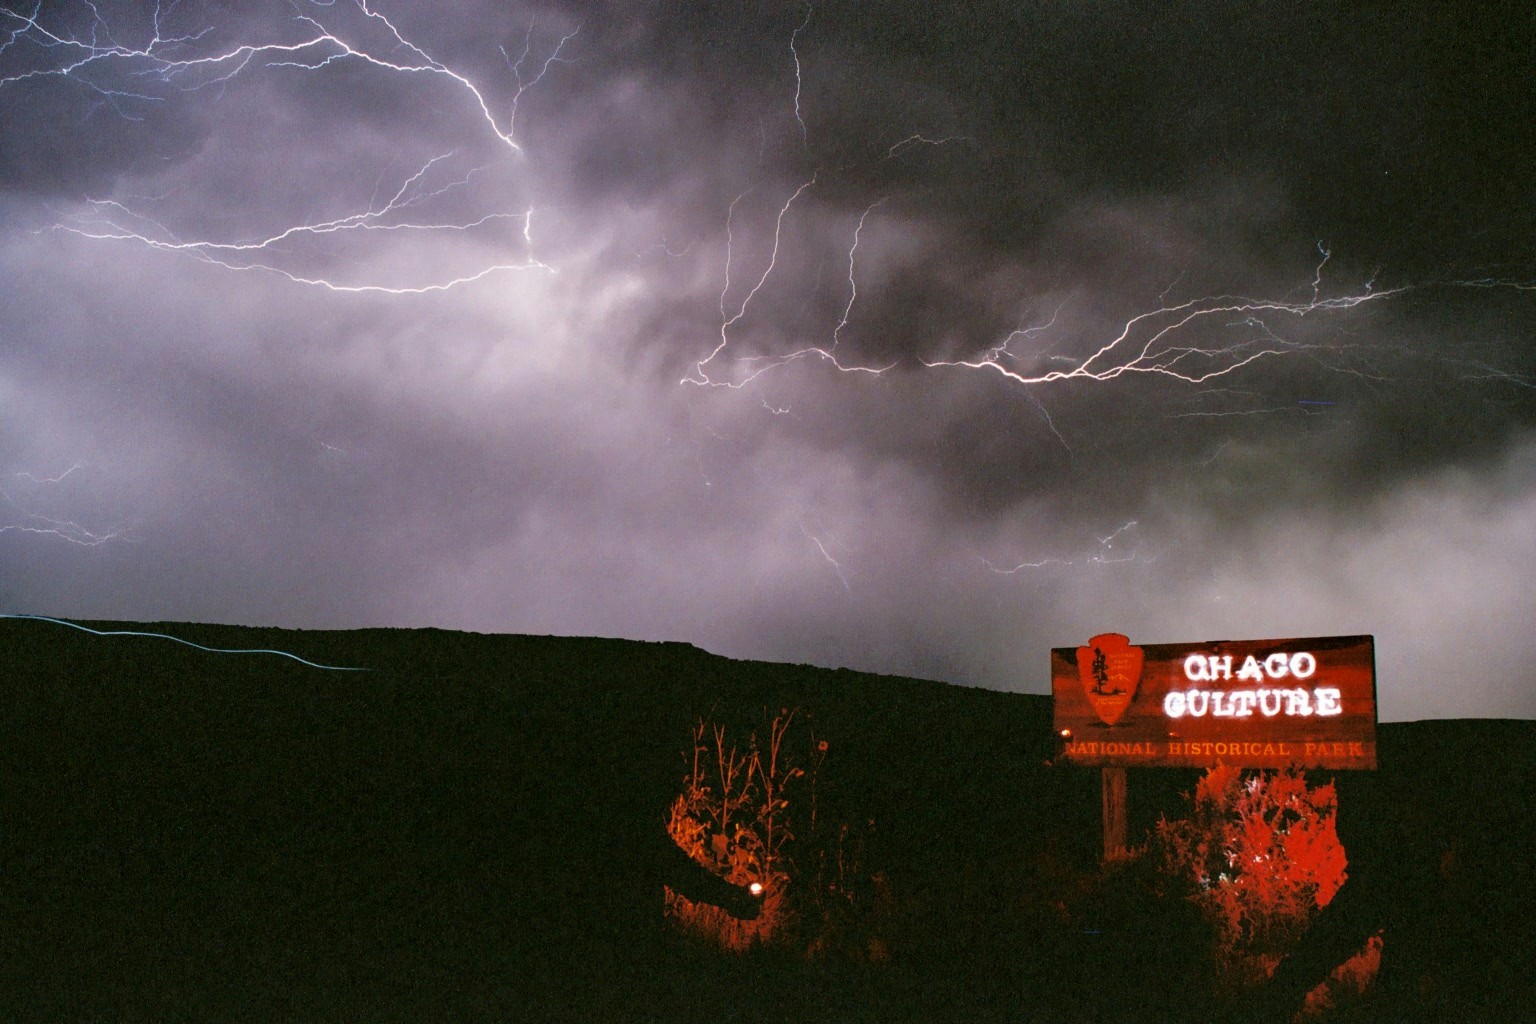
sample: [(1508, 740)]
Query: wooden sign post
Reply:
[(1308, 702), (1114, 813)]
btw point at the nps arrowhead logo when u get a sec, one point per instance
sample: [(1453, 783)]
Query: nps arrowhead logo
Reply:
[(1110, 669)]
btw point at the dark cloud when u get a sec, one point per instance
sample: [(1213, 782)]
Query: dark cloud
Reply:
[(512, 449)]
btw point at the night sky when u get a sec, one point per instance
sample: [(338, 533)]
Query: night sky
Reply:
[(908, 337)]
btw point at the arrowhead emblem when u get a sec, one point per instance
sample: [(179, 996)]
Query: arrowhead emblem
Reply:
[(1110, 669)]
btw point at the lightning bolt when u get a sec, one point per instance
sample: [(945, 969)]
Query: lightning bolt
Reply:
[(1172, 340), (795, 54), (1317, 277), (1104, 555), (1167, 341), (700, 375), (30, 520), (163, 65), (921, 140), (154, 60), (223, 254), (728, 321), (517, 69), (853, 286), (64, 529), (837, 566), (50, 479)]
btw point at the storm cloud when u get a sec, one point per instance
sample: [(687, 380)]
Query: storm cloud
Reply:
[(691, 322)]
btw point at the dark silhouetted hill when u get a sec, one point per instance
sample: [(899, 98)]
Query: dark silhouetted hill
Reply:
[(452, 835)]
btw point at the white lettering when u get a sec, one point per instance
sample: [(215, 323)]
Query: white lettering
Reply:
[(1202, 668), (1295, 702), (1299, 703)]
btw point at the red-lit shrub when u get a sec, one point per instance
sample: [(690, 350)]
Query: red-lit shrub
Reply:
[(1259, 856)]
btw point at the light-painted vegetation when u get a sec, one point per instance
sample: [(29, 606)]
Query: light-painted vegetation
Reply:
[(749, 813)]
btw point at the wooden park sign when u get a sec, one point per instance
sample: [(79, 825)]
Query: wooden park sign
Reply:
[(1308, 702), (1252, 703)]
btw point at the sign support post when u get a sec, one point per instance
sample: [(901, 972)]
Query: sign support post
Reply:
[(1114, 813)]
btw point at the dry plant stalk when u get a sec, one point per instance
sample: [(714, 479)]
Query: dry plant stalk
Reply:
[(734, 816), (729, 817)]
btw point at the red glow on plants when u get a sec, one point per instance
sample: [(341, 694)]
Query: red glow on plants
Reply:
[(1259, 855), (729, 817), (750, 816), (1347, 984)]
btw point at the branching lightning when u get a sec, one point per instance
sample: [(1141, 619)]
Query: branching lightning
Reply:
[(1170, 341), (756, 366), (517, 70), (50, 479), (24, 518), (1188, 342), (1104, 555), (231, 255), (168, 63), (156, 59)]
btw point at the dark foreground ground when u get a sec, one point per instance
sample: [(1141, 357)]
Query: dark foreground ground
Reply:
[(453, 836)]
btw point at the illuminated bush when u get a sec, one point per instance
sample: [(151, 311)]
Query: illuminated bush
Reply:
[(1259, 855), (751, 815)]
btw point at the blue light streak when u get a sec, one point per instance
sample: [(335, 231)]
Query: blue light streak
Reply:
[(189, 643)]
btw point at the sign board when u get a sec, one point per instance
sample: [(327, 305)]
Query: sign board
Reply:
[(1309, 702)]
